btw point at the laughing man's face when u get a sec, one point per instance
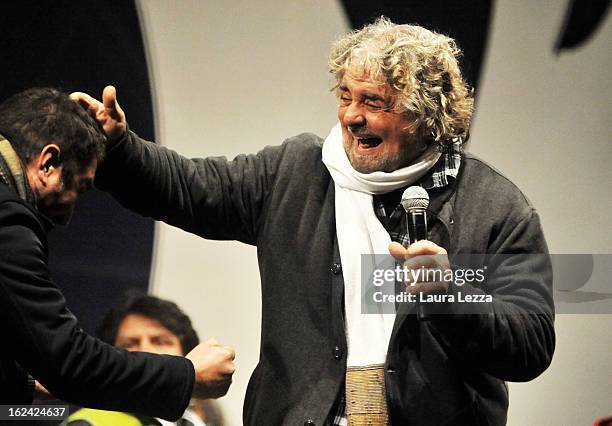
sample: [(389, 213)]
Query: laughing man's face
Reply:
[(376, 138)]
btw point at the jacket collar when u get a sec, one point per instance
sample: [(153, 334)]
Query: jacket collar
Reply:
[(13, 172), (13, 175)]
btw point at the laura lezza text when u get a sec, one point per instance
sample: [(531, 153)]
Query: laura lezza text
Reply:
[(405, 297)]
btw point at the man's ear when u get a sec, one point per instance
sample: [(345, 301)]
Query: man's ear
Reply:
[(48, 162)]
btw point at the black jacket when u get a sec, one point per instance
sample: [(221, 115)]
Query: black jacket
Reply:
[(41, 336), (450, 370)]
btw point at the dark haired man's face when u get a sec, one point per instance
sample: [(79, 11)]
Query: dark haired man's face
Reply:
[(58, 198), (140, 333)]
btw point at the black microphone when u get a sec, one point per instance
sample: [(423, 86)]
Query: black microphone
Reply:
[(415, 201)]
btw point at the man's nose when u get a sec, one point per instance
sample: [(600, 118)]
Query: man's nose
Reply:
[(144, 345), (354, 116), (149, 346)]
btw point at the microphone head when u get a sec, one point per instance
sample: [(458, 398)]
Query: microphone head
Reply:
[(415, 198)]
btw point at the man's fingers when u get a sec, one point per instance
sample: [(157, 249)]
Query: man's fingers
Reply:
[(397, 251), (424, 247), (230, 370), (230, 352), (109, 98), (111, 106), (424, 261), (428, 288), (82, 97), (212, 342), (214, 367), (88, 103)]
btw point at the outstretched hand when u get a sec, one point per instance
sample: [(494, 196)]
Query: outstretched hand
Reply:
[(107, 113)]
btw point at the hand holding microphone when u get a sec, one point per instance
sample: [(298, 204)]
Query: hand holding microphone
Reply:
[(421, 253)]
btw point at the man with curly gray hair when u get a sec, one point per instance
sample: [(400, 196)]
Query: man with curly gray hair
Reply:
[(418, 72), (404, 112)]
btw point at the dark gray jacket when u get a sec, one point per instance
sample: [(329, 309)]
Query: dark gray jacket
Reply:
[(448, 370), (40, 335)]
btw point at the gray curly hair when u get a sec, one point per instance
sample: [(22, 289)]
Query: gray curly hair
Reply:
[(420, 65)]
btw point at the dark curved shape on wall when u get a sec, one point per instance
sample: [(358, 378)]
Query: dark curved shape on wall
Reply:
[(582, 19), (468, 22)]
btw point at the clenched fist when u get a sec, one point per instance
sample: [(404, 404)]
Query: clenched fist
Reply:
[(214, 366)]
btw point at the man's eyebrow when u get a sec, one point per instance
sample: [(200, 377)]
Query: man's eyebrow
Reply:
[(373, 97), (366, 95)]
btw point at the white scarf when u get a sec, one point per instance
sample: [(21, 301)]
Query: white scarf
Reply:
[(360, 232)]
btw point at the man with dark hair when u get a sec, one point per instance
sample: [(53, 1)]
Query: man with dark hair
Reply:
[(49, 152), (165, 312), (47, 133), (31, 119), (145, 323)]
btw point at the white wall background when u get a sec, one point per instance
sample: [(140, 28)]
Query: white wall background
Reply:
[(544, 120), (231, 77)]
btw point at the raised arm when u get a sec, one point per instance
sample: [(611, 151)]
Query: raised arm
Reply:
[(211, 197)]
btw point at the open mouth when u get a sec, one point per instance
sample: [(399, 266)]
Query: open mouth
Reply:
[(369, 142)]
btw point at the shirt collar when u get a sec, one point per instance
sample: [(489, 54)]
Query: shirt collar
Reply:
[(446, 168)]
